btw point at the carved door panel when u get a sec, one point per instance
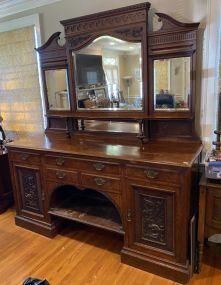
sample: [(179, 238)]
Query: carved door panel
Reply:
[(29, 189), (151, 220)]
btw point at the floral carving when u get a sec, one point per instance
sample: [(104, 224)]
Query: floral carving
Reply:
[(134, 32), (153, 219), (30, 187)]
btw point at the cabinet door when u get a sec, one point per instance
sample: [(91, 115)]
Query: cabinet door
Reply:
[(213, 208), (151, 220), (29, 190)]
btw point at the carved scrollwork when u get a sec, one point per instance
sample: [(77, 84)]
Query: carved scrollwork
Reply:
[(153, 219), (72, 29), (77, 42), (130, 33), (30, 186)]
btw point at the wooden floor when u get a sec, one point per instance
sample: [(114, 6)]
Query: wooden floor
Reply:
[(80, 256)]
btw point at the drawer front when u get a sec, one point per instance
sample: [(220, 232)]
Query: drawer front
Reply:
[(151, 174), (99, 167), (25, 157), (101, 182), (62, 176), (61, 161)]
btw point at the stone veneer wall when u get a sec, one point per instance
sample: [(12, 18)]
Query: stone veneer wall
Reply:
[(20, 100)]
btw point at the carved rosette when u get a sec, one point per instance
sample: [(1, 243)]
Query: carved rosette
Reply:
[(153, 219), (31, 191)]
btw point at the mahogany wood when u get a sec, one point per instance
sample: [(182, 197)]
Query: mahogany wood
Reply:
[(134, 180), (174, 39)]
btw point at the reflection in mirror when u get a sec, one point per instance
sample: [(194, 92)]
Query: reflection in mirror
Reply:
[(108, 126), (57, 89), (108, 75), (172, 84)]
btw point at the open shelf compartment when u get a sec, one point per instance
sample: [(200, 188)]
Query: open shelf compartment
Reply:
[(87, 207)]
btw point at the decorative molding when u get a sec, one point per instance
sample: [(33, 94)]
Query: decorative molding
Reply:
[(104, 23), (130, 33), (9, 7), (78, 42)]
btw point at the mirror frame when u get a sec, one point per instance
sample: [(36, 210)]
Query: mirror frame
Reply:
[(53, 57), (44, 81), (173, 40), (128, 24)]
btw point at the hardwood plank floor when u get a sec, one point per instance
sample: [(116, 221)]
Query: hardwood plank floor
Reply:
[(80, 256)]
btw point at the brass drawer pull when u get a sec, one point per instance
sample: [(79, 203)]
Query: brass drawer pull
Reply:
[(59, 161), (129, 215), (60, 174), (151, 174), (99, 181), (24, 156), (99, 166)]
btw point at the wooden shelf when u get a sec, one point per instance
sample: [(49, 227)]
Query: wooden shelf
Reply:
[(98, 213)]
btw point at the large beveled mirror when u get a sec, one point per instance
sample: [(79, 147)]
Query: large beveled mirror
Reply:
[(172, 88), (57, 89), (108, 75)]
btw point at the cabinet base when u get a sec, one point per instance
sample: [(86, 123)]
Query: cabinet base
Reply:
[(46, 229), (177, 273)]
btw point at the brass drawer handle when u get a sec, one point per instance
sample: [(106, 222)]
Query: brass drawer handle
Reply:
[(99, 166), (60, 174), (151, 174), (24, 156), (59, 161), (129, 215), (99, 181)]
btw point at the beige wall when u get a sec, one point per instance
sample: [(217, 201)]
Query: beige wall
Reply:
[(50, 15)]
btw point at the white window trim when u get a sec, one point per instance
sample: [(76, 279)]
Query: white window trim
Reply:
[(210, 72)]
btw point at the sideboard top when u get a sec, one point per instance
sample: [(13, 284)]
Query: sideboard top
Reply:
[(159, 152)]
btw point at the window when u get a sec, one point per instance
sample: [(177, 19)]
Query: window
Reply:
[(20, 97)]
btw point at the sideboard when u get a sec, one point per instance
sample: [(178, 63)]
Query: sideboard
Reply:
[(143, 193)]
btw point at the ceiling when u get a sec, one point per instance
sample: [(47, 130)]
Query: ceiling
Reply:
[(11, 7)]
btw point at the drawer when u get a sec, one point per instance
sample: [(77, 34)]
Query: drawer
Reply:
[(65, 162), (151, 174), (99, 167), (25, 157), (101, 182), (63, 176)]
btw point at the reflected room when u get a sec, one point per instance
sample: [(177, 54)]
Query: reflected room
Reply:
[(108, 75), (172, 84)]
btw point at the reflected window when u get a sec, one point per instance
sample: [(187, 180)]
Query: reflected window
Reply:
[(57, 89), (108, 75), (172, 84)]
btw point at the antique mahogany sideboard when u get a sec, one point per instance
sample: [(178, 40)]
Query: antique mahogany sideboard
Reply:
[(116, 154)]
